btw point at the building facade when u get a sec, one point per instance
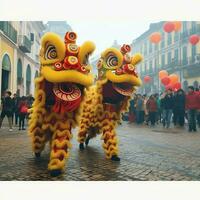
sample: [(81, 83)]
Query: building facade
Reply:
[(19, 55), (59, 27), (174, 54)]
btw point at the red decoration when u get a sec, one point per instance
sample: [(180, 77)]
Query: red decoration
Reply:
[(165, 80), (177, 86), (155, 37), (173, 78), (169, 86), (162, 74), (169, 27), (177, 26), (194, 39), (147, 79)]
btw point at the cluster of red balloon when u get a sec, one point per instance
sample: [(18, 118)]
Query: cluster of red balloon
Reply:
[(169, 81), (169, 27)]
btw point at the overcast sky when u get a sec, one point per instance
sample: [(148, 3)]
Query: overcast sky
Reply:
[(103, 33)]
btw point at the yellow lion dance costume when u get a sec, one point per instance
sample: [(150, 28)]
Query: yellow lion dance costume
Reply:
[(59, 92), (109, 98)]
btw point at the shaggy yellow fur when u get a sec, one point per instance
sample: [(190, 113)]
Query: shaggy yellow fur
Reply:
[(95, 117), (44, 124)]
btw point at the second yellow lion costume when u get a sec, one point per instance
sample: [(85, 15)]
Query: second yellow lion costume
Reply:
[(109, 98)]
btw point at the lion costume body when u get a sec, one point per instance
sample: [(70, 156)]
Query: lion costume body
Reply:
[(109, 98), (59, 92)]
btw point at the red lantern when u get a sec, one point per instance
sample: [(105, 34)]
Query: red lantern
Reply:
[(169, 86), (155, 37), (194, 39), (177, 86), (173, 78), (177, 26), (169, 27), (147, 79), (162, 74), (165, 80)]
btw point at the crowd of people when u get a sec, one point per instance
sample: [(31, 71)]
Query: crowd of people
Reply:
[(178, 107), (15, 109)]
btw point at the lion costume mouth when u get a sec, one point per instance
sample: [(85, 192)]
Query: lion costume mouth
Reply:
[(125, 89), (67, 91)]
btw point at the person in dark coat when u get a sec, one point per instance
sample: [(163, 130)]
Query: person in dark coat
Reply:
[(7, 109), (167, 101), (179, 108), (16, 100)]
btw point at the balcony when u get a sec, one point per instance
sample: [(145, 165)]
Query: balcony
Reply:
[(24, 44), (8, 30)]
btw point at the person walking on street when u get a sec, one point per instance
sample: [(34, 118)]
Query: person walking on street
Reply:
[(167, 102), (192, 105), (7, 109), (179, 108), (152, 109), (15, 99), (23, 110), (139, 109)]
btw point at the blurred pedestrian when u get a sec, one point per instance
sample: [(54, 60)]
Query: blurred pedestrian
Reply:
[(15, 99), (152, 109), (192, 106), (179, 108), (139, 106), (23, 110), (167, 101), (7, 109)]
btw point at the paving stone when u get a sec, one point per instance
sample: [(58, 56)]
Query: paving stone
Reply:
[(145, 155)]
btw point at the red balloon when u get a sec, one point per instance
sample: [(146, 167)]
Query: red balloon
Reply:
[(147, 79), (173, 78), (165, 80), (155, 37), (194, 39), (169, 27), (169, 86), (177, 86), (162, 74)]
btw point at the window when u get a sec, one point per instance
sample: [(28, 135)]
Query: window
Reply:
[(169, 57), (193, 28), (163, 40), (145, 48), (184, 26), (28, 79), (163, 61), (193, 52), (151, 66), (169, 39), (176, 56), (176, 37), (184, 55), (19, 72), (150, 47), (145, 68)]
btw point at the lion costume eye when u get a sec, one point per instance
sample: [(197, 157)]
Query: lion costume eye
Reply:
[(111, 61), (50, 52)]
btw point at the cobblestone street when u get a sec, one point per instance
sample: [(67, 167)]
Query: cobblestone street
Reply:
[(146, 154)]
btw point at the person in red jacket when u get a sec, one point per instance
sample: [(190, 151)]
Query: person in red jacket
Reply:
[(23, 110), (192, 105), (152, 109)]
